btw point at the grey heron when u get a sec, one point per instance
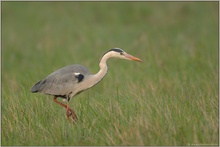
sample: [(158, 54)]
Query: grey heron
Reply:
[(73, 79)]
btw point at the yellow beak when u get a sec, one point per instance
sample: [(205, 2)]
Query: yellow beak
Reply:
[(132, 58)]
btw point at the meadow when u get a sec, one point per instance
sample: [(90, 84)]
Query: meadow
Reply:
[(169, 99)]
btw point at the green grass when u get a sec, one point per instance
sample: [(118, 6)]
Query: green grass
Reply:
[(170, 99)]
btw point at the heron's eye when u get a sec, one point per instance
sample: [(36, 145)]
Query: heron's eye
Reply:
[(121, 53)]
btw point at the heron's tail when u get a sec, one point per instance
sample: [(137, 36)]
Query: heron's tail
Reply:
[(36, 87)]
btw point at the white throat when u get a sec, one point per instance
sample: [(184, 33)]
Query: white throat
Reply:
[(96, 78)]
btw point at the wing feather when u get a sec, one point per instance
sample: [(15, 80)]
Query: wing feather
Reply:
[(61, 82)]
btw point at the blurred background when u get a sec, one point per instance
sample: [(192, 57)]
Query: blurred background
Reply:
[(178, 42)]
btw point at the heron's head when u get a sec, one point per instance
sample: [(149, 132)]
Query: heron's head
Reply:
[(119, 53)]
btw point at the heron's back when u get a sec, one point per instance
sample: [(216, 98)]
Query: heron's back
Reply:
[(62, 81)]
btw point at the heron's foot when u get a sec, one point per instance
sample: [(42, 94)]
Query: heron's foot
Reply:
[(71, 115)]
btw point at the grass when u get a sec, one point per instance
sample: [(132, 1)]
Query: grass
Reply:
[(170, 99)]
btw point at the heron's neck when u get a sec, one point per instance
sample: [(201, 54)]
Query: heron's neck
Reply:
[(103, 70)]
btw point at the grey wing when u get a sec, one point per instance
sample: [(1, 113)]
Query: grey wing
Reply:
[(63, 81)]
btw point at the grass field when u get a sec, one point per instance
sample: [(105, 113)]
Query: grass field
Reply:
[(170, 99)]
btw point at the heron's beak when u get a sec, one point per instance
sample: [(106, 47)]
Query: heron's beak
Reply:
[(130, 57)]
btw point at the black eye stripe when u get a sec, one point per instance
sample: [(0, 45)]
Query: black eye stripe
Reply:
[(115, 50)]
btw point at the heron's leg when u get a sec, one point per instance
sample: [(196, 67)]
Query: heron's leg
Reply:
[(70, 112), (55, 100)]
